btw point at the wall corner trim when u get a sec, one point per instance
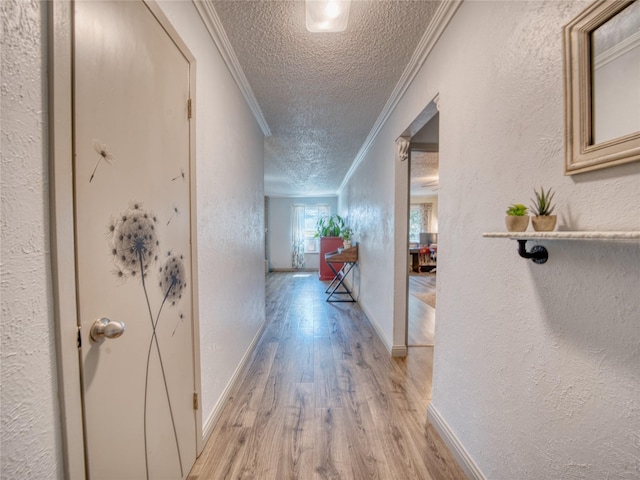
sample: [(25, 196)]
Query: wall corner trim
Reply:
[(457, 449), (399, 351), (436, 27), (213, 24), (236, 378)]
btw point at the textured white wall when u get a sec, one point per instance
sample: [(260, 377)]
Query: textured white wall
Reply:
[(537, 367), (230, 183), (30, 430), (280, 229), (368, 200)]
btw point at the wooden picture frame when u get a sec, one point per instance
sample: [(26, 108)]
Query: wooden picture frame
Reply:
[(582, 152)]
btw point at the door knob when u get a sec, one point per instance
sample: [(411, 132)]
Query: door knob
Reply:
[(105, 328)]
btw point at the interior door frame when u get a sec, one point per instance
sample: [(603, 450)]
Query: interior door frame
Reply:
[(401, 236), (60, 25)]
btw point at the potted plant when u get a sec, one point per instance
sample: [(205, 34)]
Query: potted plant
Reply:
[(329, 226), (542, 207), (328, 230), (347, 234), (517, 219)]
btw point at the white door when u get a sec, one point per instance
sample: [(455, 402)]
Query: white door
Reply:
[(132, 207)]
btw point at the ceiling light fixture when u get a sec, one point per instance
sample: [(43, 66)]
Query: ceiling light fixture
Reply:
[(327, 15)]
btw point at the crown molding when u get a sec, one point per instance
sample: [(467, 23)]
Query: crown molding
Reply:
[(440, 20), (214, 26)]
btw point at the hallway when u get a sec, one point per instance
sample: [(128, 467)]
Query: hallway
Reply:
[(322, 398)]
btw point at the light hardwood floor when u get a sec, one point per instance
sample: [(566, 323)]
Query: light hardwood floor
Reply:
[(421, 317), (322, 398)]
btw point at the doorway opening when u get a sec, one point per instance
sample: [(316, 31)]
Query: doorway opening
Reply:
[(423, 235), (416, 139)]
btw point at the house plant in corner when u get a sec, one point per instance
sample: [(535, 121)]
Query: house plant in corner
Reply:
[(517, 219), (329, 226), (543, 221)]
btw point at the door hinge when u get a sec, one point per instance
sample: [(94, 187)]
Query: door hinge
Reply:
[(79, 337), (195, 400), (189, 110)]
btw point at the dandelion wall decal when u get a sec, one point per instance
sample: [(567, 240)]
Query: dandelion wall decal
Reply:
[(182, 175), (134, 245), (172, 278), (104, 153), (180, 320), (173, 214)]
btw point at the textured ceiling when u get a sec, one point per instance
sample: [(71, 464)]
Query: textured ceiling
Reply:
[(425, 173), (425, 177), (320, 93)]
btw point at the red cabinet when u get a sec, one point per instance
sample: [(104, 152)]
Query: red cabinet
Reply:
[(327, 245)]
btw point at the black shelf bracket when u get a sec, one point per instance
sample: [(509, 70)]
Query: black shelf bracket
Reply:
[(538, 253)]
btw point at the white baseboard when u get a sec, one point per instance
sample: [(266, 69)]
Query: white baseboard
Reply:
[(457, 449), (394, 350), (387, 343), (212, 419)]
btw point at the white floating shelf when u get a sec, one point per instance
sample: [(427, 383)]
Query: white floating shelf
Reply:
[(538, 254), (631, 235)]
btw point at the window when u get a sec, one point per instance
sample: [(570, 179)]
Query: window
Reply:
[(419, 220), (415, 223), (311, 215)]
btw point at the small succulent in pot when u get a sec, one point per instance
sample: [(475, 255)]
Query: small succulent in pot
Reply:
[(516, 210), (542, 207), (517, 219), (347, 234)]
